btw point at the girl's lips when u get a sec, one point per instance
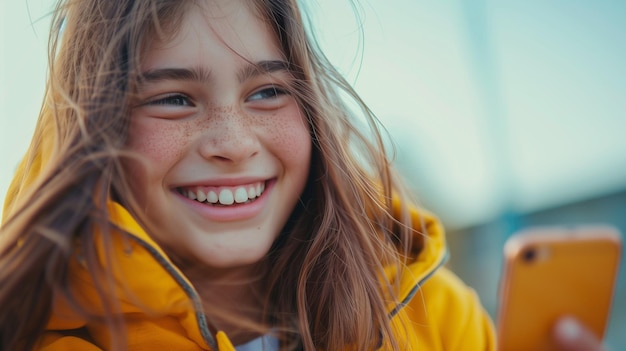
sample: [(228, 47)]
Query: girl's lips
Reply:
[(227, 204)]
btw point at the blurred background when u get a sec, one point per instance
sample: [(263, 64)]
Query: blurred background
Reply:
[(503, 114)]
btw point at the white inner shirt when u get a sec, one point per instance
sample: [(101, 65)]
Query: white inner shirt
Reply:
[(262, 343)]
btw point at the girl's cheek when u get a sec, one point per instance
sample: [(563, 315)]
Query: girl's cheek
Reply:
[(158, 141), (290, 132), (159, 145)]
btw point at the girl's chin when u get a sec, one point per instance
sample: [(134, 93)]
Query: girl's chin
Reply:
[(228, 258)]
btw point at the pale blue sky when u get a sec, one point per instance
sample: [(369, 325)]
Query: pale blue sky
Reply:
[(494, 106)]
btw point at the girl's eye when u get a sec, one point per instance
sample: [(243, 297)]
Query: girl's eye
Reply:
[(172, 100), (267, 93), (168, 106)]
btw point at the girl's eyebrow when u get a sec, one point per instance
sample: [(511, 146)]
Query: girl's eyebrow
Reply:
[(199, 74), (262, 67)]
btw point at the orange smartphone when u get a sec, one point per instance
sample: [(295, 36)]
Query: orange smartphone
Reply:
[(552, 272)]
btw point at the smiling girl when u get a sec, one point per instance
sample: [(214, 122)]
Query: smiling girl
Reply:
[(196, 182)]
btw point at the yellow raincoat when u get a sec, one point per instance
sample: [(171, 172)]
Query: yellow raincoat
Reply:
[(438, 312)]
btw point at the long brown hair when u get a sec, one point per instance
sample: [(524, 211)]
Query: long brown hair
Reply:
[(326, 289)]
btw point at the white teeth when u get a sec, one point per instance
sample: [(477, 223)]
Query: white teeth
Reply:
[(251, 192), (226, 197), (241, 195), (212, 197), (201, 196), (191, 194)]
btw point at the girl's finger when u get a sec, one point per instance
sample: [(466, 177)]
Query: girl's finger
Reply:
[(570, 335)]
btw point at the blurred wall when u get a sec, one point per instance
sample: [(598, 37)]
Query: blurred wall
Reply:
[(494, 106)]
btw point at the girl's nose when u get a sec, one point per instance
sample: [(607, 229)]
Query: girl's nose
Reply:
[(229, 137)]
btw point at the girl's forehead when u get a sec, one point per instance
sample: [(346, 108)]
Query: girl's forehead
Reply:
[(209, 29), (235, 23)]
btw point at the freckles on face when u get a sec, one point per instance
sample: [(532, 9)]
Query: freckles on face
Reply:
[(158, 142), (287, 131), (227, 123)]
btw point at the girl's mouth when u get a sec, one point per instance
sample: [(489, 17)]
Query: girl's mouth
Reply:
[(224, 195)]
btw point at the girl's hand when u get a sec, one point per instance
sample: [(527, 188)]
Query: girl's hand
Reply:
[(570, 335)]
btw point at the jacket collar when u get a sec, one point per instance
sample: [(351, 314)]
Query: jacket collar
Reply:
[(147, 280), (428, 253), (144, 278)]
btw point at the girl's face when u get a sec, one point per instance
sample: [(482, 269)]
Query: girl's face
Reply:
[(227, 148)]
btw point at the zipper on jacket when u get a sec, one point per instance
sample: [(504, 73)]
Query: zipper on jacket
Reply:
[(414, 291), (188, 288), (200, 317), (418, 285)]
